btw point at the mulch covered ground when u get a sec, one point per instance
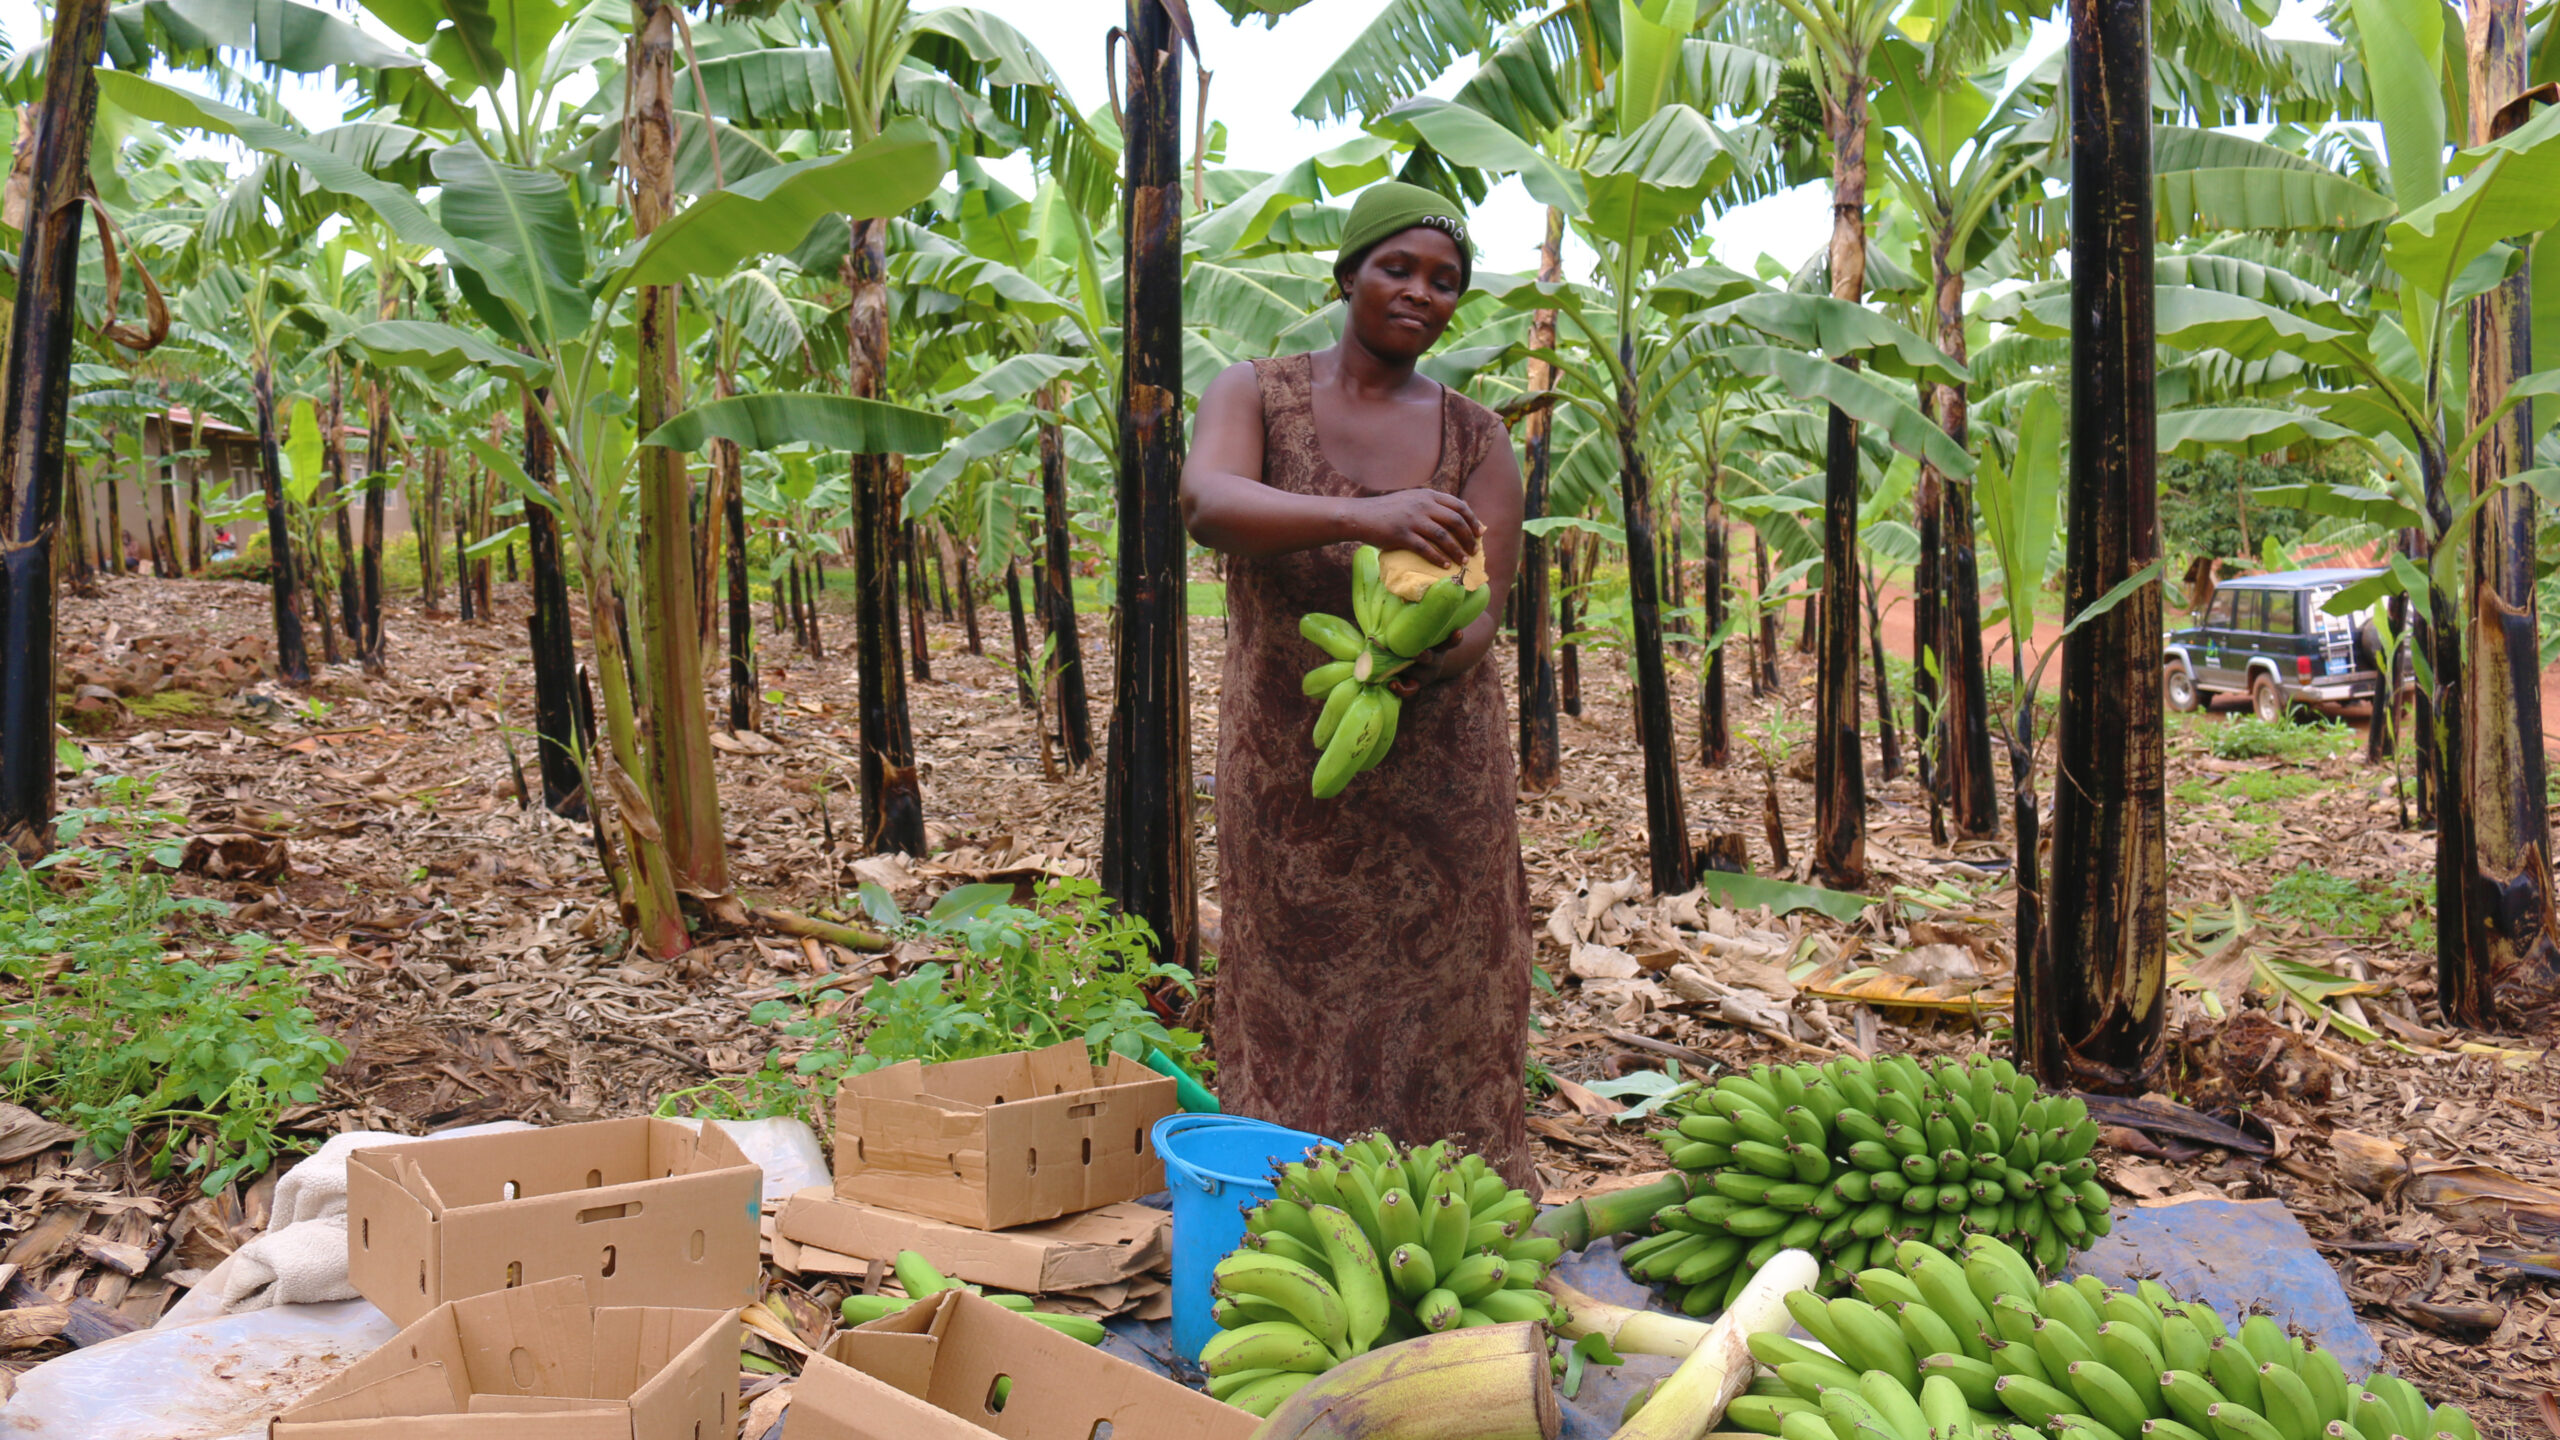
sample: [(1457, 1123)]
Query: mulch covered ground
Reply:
[(379, 820)]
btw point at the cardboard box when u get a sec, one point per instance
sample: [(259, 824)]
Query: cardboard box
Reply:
[(1075, 1252), (536, 1363), (647, 1211), (1001, 1141), (930, 1372)]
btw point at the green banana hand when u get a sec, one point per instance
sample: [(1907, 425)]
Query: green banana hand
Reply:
[(1328, 720), (1078, 1327), (1322, 679), (1470, 605), (1272, 1345), (1305, 1296), (1350, 743), (1332, 634), (917, 1276), (1393, 706), (1356, 1275), (1365, 588), (1424, 623)]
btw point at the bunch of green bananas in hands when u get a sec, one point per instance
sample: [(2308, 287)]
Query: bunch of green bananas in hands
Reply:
[(1358, 722), (2079, 1359), (1367, 1245)]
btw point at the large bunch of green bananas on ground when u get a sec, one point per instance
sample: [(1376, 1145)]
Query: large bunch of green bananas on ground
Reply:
[(917, 1276), (2078, 1359), (1358, 722), (1366, 1245), (1848, 1157)]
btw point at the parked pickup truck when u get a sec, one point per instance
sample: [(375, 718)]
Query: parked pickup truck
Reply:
[(2266, 636)]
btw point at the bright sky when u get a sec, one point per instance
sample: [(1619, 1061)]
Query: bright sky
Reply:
[(1258, 76)]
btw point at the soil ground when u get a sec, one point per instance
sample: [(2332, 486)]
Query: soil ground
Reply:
[(486, 978)]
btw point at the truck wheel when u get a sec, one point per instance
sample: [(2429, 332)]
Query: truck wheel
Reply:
[(2266, 699), (2180, 687)]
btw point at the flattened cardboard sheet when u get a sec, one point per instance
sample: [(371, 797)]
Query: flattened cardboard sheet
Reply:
[(1098, 1247)]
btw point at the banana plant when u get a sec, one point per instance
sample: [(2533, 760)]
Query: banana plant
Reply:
[(56, 159), (517, 244), (238, 319), (2389, 376), (1962, 164), (752, 319), (1726, 324), (860, 67), (2019, 512)]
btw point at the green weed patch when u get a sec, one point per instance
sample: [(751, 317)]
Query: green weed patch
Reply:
[(122, 1015), (2341, 906), (1007, 977)]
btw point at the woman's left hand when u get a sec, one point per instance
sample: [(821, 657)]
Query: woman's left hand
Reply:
[(1436, 666)]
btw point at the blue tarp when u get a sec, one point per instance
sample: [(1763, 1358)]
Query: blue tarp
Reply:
[(2240, 1257)]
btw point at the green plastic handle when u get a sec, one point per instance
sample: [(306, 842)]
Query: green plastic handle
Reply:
[(1195, 1097)]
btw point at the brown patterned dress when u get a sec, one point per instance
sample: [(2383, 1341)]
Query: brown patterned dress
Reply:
[(1374, 964)]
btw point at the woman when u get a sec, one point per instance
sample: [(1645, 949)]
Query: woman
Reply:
[(1373, 965)]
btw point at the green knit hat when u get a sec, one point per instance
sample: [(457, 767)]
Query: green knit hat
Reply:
[(1391, 207)]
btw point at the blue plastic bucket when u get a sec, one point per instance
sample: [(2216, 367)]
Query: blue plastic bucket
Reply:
[(1218, 1166)]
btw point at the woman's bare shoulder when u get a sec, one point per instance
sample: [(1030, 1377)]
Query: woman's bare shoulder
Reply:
[(1238, 386), (1488, 435), (1474, 413)]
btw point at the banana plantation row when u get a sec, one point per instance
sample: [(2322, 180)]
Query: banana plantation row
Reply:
[(684, 306)]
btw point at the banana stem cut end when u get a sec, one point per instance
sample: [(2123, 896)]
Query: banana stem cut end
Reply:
[(1688, 1405)]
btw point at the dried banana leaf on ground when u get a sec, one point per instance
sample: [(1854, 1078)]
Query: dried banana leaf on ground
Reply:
[(2451, 1188), (1855, 980)]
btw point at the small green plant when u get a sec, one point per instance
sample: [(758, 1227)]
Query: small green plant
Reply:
[(1069, 966), (2254, 790), (2267, 786), (119, 1016), (2340, 906), (2250, 738), (314, 710), (1541, 1078)]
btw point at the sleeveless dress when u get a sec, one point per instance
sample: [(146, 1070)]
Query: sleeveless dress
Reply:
[(1373, 971)]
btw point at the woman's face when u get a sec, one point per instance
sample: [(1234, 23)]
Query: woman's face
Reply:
[(1404, 291)]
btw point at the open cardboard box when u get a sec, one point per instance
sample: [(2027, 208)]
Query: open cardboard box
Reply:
[(1004, 1140), (1102, 1246), (647, 1211), (931, 1372), (536, 1363)]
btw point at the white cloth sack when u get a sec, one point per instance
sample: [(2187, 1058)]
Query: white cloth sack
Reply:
[(785, 1149), (302, 1257)]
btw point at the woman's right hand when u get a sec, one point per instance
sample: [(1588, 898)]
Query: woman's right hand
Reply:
[(1438, 527)]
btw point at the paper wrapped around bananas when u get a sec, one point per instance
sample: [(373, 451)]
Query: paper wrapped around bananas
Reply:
[(1930, 1342), (1849, 1157), (1405, 605), (1367, 1245)]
